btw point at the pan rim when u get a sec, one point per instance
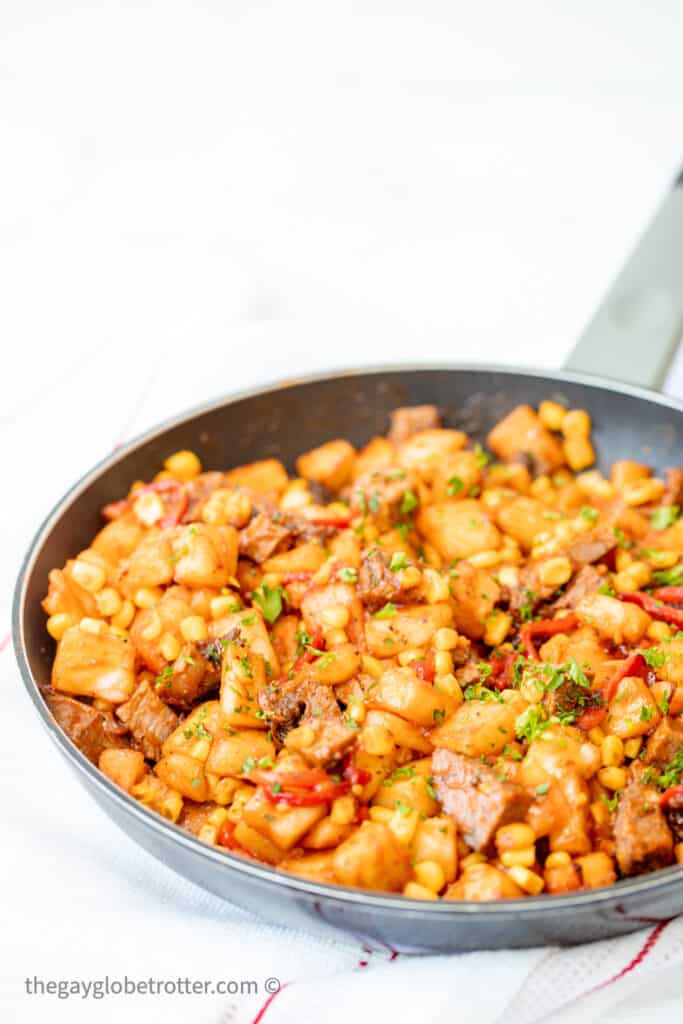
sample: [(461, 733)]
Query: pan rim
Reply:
[(525, 907)]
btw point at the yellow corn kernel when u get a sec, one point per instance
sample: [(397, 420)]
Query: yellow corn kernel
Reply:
[(658, 631), (450, 685), (153, 628), (240, 798), (662, 559), (643, 492), (594, 485), (403, 825), (222, 791), (678, 853), (343, 810), (227, 506), (578, 451), (632, 746), (612, 751), (91, 577), (381, 814), (471, 859), (435, 586), (612, 778), (356, 710), (415, 891), (272, 579), (555, 571), (58, 624), (576, 423), (94, 626), (511, 858), (558, 859), (183, 465), (622, 560), (415, 654), (597, 869), (430, 874), (147, 597), (335, 617), (108, 602), (509, 576), (443, 663), (552, 414), (124, 615), (599, 813), (496, 627), (300, 738), (163, 474), (540, 486), (596, 735), (637, 575), (193, 629), (409, 577), (445, 639), (515, 836), (207, 834), (484, 560), (169, 646), (223, 605), (377, 740), (372, 666), (527, 880)]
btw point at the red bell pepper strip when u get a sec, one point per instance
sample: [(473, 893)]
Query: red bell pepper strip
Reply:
[(544, 627), (424, 669), (674, 794), (501, 669), (297, 577), (339, 522), (656, 607), (634, 665), (672, 595), (306, 788), (308, 654), (175, 502)]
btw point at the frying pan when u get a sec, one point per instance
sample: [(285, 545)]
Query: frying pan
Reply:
[(631, 336)]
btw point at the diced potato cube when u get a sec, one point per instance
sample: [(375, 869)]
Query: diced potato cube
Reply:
[(435, 839), (283, 825), (410, 627), (331, 464), (559, 748), (304, 558), (155, 794), (633, 710), (522, 433), (424, 451), (185, 774), (481, 883), (319, 599), (243, 675), (372, 858), (481, 728), (523, 518), (118, 539), (252, 634), (257, 844), (616, 620), (317, 867), (475, 593), (326, 834), (124, 767), (401, 692), (267, 476), (409, 788), (205, 556), (66, 597), (404, 733), (458, 529), (89, 665), (237, 754), (150, 564), (377, 454), (455, 477)]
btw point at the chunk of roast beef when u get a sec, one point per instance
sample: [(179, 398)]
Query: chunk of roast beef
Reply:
[(591, 546), (263, 536), (473, 795), (411, 419), (665, 741), (149, 720), (194, 674), (91, 730), (376, 583), (291, 703), (198, 491), (586, 581), (643, 840)]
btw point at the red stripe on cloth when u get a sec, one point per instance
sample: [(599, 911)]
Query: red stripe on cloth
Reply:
[(644, 951), (273, 995)]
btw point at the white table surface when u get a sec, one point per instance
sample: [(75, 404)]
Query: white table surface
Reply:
[(196, 197)]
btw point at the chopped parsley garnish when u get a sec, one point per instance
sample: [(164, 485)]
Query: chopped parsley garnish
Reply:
[(348, 575), (622, 540), (531, 724), (542, 789), (454, 485), (610, 802), (475, 691), (671, 773), (654, 656), (669, 577), (403, 808), (269, 601), (438, 714), (589, 514), (526, 611), (664, 517), (398, 561), (410, 501), (387, 612), (607, 589), (483, 458)]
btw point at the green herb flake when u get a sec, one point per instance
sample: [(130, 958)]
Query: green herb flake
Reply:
[(387, 612), (269, 601)]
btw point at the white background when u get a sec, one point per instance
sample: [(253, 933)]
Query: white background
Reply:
[(198, 196)]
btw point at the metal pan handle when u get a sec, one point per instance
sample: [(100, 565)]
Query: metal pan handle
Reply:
[(634, 333)]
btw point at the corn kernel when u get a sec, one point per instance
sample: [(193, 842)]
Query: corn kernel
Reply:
[(445, 639), (147, 597), (658, 631), (124, 615), (336, 638), (662, 559), (443, 663), (558, 859), (91, 577), (193, 629), (551, 414), (372, 666), (58, 624), (94, 626), (403, 825), (516, 836), (612, 778), (149, 508), (184, 465), (527, 880), (169, 646), (599, 813), (632, 746), (381, 814), (637, 575), (471, 859), (540, 486), (356, 710), (623, 560), (555, 572), (296, 495), (678, 853), (612, 751), (596, 735), (415, 654), (525, 857), (578, 451), (430, 874), (335, 617), (415, 891), (435, 586), (643, 492), (108, 602), (576, 423), (496, 627), (483, 560), (509, 576), (343, 810), (409, 577), (153, 628), (217, 816), (594, 485), (377, 740)]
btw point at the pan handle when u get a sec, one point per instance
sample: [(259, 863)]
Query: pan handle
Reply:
[(633, 335)]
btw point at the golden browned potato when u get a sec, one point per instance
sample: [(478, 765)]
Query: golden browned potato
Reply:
[(331, 464), (66, 597), (118, 539), (559, 748), (237, 752), (458, 529), (456, 477), (522, 433), (377, 454), (333, 595), (407, 627), (613, 619), (205, 556), (150, 564), (401, 692), (409, 788), (435, 840), (283, 825), (481, 728), (523, 518), (304, 558), (185, 774), (325, 834), (372, 857), (124, 767), (633, 710), (424, 451), (475, 593), (483, 882), (317, 867), (94, 665), (243, 675), (252, 632), (268, 476)]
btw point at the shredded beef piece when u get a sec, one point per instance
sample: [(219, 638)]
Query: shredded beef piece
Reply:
[(642, 837), (665, 742), (591, 546), (674, 486), (292, 703), (586, 581), (149, 720), (91, 730), (263, 536), (376, 583)]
